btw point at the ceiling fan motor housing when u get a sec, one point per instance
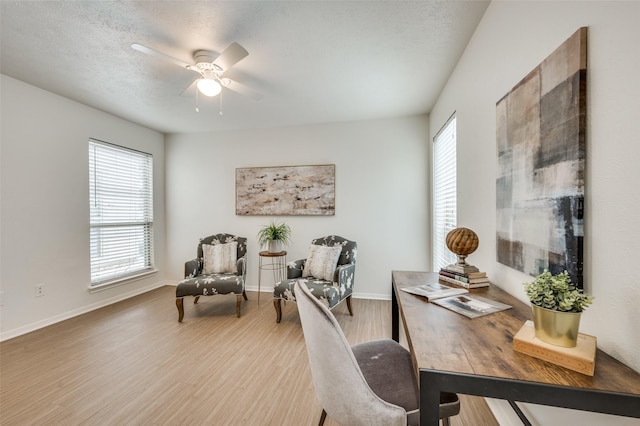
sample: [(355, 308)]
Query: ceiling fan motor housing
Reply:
[(204, 61)]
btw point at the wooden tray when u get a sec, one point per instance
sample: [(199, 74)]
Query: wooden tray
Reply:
[(582, 358)]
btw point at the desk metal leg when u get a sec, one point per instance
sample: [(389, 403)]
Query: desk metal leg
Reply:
[(395, 314), (429, 401), (521, 415), (432, 382)]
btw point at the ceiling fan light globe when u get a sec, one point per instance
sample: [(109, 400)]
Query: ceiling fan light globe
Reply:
[(209, 87)]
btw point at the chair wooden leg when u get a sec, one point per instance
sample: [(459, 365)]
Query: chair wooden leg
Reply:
[(323, 416), (180, 309), (349, 305), (195, 299), (278, 305), (238, 303), (446, 422), (244, 294)]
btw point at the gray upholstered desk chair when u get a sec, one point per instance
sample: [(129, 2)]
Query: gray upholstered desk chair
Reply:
[(220, 268), (328, 270), (369, 384)]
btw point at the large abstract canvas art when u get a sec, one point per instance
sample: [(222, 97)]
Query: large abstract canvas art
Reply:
[(290, 190), (541, 138)]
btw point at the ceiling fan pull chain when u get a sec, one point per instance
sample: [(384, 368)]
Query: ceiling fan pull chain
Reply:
[(221, 102), (197, 109)]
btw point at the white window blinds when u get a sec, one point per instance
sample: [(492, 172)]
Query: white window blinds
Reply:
[(444, 193), (121, 212)]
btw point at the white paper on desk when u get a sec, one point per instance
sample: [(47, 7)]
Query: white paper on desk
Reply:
[(434, 290), (471, 306)]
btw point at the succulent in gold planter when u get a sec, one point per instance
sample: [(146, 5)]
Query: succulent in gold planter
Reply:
[(557, 304)]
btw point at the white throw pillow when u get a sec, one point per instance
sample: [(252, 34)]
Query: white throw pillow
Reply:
[(220, 258), (321, 262)]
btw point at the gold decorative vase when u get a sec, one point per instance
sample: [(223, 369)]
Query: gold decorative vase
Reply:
[(462, 242), (556, 327)]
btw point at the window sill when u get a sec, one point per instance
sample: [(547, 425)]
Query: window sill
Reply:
[(121, 281)]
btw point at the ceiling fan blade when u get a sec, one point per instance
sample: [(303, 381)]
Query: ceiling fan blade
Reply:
[(149, 51), (191, 89), (241, 88), (231, 55)]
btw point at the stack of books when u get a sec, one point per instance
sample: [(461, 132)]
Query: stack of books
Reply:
[(467, 280)]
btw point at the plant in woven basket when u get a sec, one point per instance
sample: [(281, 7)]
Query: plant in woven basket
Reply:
[(557, 292)]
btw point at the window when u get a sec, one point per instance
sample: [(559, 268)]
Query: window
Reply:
[(444, 193), (121, 212)]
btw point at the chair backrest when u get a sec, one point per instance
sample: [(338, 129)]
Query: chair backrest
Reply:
[(349, 248), (221, 239), (341, 388)]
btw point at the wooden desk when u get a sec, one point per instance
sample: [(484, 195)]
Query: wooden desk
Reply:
[(475, 356)]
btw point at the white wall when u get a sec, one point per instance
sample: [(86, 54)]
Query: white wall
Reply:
[(381, 193), (45, 205), (512, 39)]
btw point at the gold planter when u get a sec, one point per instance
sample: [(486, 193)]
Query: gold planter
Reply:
[(555, 327)]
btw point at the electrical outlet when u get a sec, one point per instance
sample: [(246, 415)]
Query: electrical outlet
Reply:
[(39, 290)]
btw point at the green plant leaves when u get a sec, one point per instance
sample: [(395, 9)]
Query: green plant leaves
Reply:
[(557, 292), (274, 231)]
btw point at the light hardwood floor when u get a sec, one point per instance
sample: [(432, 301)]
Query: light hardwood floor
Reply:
[(132, 363)]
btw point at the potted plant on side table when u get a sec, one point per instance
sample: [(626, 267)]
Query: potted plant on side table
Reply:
[(275, 236), (557, 305)]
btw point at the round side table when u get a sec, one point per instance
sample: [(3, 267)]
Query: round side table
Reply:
[(276, 262)]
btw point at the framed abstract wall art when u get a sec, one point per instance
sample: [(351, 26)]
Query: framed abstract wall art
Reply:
[(541, 146), (289, 190)]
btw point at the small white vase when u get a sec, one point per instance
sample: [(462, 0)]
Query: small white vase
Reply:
[(275, 246)]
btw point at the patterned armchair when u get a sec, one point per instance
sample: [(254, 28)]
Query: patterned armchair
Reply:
[(328, 271), (220, 268)]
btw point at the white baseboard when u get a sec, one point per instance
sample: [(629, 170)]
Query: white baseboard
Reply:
[(10, 334), (371, 296), (263, 289)]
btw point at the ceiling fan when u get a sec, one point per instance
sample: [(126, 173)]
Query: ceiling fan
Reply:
[(210, 68)]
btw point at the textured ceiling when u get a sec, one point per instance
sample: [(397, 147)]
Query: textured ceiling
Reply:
[(313, 61)]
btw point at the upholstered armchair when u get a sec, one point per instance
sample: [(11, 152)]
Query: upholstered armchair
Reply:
[(219, 268), (328, 271)]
